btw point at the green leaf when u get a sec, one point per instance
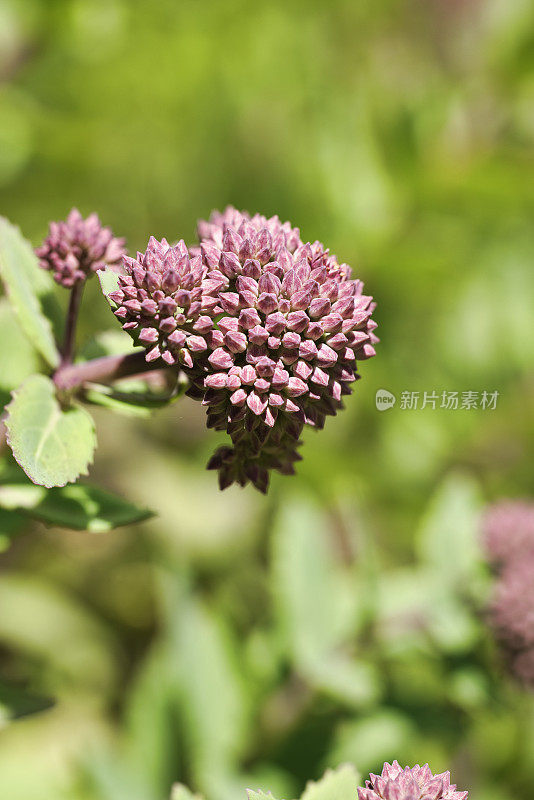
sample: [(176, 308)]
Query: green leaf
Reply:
[(81, 507), (374, 739), (18, 358), (109, 282), (181, 792), (17, 702), (315, 601), (52, 445), (347, 680), (11, 524), (50, 625), (107, 343), (133, 399), (338, 784), (211, 694), (317, 606), (131, 404), (24, 281), (253, 795), (448, 537), (150, 746)]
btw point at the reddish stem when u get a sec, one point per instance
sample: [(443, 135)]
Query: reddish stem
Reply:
[(102, 370), (67, 352)]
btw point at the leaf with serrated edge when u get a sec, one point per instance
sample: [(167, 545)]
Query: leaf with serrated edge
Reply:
[(258, 795), (53, 446), (338, 784), (22, 278)]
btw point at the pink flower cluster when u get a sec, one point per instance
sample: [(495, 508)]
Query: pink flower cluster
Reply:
[(415, 783), (77, 247), (269, 330), (508, 534)]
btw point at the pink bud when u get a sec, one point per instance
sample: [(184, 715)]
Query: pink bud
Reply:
[(326, 356), (301, 299), (239, 397), (256, 404), (167, 325), (320, 377), (248, 374), (221, 359), (261, 385), (229, 302), (268, 284), (230, 264), (153, 354), (296, 387), (297, 321), (244, 283), (291, 340), (248, 318), (303, 370), (291, 283), (258, 335), (319, 307), (314, 330), (210, 255), (265, 367), (267, 303), (231, 240), (177, 338), (236, 341), (332, 323), (275, 323), (337, 342), (280, 378), (148, 336), (276, 400), (216, 381), (308, 349), (196, 344)]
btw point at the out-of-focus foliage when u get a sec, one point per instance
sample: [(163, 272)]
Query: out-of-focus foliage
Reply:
[(235, 640)]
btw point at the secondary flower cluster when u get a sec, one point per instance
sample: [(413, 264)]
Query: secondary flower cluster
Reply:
[(509, 540), (77, 247), (416, 783), (268, 329)]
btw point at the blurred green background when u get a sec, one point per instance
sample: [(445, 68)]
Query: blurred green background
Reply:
[(237, 640)]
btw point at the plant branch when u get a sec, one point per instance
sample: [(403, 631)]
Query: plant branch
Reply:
[(70, 377), (67, 352)]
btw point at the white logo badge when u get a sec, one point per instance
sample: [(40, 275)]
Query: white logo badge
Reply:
[(384, 400)]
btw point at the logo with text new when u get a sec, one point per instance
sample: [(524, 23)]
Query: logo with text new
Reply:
[(384, 400)]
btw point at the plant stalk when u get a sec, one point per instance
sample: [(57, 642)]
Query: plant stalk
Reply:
[(67, 353), (107, 369)]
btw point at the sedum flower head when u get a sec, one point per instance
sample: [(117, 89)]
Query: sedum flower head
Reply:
[(511, 615), (268, 329), (77, 247), (213, 229), (508, 535), (416, 783), (508, 530)]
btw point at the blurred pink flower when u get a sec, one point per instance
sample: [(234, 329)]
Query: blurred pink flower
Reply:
[(508, 530)]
